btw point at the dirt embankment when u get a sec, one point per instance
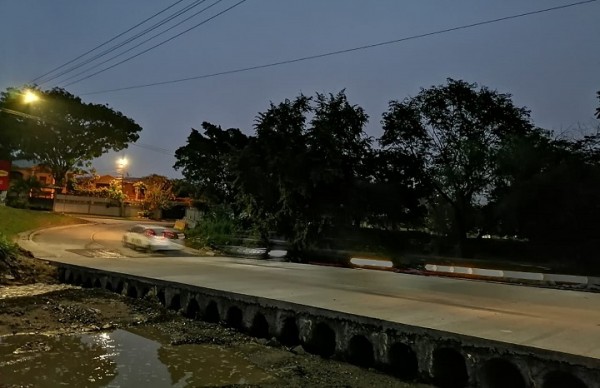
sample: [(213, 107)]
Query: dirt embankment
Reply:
[(36, 304)]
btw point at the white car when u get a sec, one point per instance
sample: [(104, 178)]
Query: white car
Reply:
[(149, 238)]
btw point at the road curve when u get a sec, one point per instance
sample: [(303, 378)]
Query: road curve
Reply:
[(555, 320)]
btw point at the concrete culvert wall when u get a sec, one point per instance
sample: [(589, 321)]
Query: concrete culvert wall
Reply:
[(559, 379), (234, 317), (289, 336), (193, 309), (322, 341), (449, 369), (403, 361), (260, 326), (211, 314), (499, 373), (360, 351)]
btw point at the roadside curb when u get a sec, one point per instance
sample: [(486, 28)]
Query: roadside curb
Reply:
[(25, 239)]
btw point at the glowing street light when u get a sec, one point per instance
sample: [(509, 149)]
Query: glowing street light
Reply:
[(121, 164), (29, 96)]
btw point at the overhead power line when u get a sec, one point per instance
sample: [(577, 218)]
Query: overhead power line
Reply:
[(145, 41), (127, 41), (159, 150), (105, 43), (344, 51), (157, 45)]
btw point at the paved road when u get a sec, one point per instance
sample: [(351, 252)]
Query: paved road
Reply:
[(565, 321)]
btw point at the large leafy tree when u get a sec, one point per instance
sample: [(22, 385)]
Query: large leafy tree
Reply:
[(62, 132), (301, 172), (548, 189), (455, 132), (207, 162)]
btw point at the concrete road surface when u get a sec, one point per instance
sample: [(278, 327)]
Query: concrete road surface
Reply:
[(557, 320)]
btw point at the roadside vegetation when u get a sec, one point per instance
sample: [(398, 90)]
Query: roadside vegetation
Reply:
[(16, 267), (460, 174), (14, 221)]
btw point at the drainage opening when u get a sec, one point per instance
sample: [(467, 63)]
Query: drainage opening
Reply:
[(322, 341), (109, 286), (403, 361), (211, 314), (360, 351), (193, 309), (161, 297), (290, 336), (175, 303), (144, 292), (120, 286), (132, 292), (97, 284), (87, 283), (501, 373), (234, 317), (260, 326), (558, 379), (449, 368)]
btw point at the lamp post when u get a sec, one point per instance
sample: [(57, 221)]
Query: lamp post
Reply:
[(121, 164), (28, 97)]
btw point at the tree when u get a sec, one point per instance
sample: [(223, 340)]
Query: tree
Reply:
[(62, 132), (158, 193), (300, 174), (454, 132), (598, 109), (548, 190), (206, 162)]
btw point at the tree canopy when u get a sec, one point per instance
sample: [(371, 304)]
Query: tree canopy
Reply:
[(62, 132), (455, 159), (300, 173), (207, 162), (455, 133)]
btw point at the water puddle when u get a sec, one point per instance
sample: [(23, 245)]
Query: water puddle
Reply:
[(120, 359)]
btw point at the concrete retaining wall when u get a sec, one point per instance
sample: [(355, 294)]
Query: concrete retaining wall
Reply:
[(93, 206), (411, 353)]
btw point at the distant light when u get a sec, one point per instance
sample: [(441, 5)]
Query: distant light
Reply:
[(122, 162), (371, 262), (29, 97)]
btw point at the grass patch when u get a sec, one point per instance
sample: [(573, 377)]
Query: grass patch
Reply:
[(14, 221)]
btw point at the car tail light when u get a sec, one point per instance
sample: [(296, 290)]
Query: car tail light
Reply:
[(168, 234), (150, 233)]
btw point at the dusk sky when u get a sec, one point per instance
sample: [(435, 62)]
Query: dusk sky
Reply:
[(549, 62)]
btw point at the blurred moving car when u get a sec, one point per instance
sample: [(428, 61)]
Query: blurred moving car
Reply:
[(176, 236), (150, 238)]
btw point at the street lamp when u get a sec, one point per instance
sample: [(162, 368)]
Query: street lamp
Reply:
[(121, 164), (29, 96)]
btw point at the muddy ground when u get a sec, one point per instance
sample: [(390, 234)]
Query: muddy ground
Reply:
[(32, 301)]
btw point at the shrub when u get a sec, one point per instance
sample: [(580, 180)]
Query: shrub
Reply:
[(217, 228), (7, 248), (8, 256)]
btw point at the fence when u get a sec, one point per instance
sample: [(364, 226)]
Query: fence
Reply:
[(93, 206)]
